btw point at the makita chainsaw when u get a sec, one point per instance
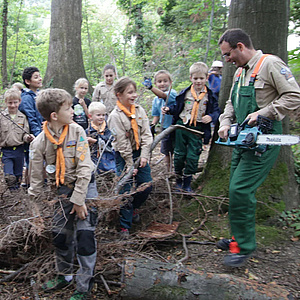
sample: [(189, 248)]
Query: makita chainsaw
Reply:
[(256, 138)]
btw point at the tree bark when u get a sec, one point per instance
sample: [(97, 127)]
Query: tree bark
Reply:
[(267, 24), (4, 44), (154, 280), (65, 61)]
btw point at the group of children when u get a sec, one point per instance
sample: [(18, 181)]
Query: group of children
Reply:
[(68, 152)]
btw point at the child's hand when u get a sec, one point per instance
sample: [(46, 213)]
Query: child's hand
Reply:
[(81, 211), (82, 102), (164, 110), (147, 83), (30, 138), (206, 119), (143, 162), (91, 140)]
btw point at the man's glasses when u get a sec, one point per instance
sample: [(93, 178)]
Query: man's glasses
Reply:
[(227, 54)]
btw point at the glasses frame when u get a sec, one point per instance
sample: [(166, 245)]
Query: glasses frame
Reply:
[(227, 54)]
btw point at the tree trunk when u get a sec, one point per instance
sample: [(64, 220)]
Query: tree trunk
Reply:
[(267, 24), (4, 44), (154, 280), (65, 62)]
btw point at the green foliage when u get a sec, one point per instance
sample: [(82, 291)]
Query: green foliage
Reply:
[(292, 219), (270, 192)]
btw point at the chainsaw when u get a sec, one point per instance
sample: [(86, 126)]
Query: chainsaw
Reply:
[(256, 138)]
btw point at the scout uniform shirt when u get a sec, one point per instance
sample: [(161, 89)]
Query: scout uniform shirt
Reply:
[(11, 135), (277, 92), (106, 95), (189, 100), (77, 161), (120, 126)]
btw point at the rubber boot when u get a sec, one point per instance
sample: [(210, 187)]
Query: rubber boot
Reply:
[(187, 183), (178, 185)]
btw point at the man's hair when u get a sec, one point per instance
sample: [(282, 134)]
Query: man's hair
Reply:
[(109, 67), (12, 94), (234, 36), (97, 107), (79, 82), (199, 67), (162, 72), (122, 84), (51, 100), (27, 74)]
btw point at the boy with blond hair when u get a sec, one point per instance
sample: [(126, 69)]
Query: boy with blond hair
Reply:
[(100, 138), (195, 108), (14, 133), (64, 148), (165, 96)]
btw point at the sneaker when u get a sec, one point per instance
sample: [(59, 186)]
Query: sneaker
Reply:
[(136, 217), (236, 260), (124, 234), (224, 244), (56, 283), (79, 296)]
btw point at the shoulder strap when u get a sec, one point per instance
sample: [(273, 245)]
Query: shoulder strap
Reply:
[(255, 71), (257, 67)]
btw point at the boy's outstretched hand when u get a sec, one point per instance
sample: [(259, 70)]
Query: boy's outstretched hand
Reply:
[(81, 211), (147, 83)]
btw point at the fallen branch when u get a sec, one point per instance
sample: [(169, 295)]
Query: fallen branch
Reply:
[(14, 274)]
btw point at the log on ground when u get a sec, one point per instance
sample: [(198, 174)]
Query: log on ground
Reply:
[(154, 280)]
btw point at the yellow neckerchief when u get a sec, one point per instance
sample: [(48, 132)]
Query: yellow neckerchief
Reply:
[(133, 121), (60, 159), (194, 112), (99, 129)]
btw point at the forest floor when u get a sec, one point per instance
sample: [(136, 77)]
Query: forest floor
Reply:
[(25, 241)]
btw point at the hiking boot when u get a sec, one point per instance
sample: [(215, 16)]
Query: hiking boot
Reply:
[(124, 234), (236, 260), (224, 244), (56, 283), (79, 296), (136, 218)]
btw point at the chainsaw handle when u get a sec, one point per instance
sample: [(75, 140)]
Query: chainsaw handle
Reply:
[(244, 123)]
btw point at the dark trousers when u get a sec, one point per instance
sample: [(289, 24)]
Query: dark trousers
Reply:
[(143, 175)]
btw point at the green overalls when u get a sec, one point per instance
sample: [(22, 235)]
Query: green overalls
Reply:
[(249, 169)]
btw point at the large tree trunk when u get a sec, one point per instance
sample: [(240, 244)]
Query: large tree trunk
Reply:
[(4, 44), (154, 280), (65, 62), (266, 21)]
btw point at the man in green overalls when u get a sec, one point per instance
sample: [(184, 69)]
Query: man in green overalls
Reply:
[(263, 85)]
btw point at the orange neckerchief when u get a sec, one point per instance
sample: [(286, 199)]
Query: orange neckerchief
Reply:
[(133, 121), (194, 112), (99, 129), (60, 159)]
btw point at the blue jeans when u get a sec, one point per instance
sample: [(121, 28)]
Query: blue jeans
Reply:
[(143, 175)]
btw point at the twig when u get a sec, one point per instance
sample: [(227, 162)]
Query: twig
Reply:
[(171, 200), (123, 272), (14, 274), (109, 292), (185, 249)]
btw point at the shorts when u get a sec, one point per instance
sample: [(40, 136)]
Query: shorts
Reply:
[(167, 145)]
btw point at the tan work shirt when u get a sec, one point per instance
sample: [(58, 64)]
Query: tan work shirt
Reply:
[(185, 115), (11, 135), (120, 126), (106, 95), (277, 92), (77, 161)]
